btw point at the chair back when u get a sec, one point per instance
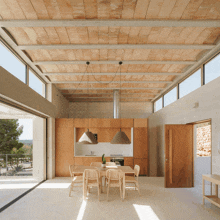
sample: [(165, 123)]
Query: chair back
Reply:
[(114, 174), (96, 164), (136, 170), (110, 164), (91, 174), (71, 169)]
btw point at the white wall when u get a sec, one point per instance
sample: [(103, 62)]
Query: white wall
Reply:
[(182, 112), (105, 109), (39, 148)]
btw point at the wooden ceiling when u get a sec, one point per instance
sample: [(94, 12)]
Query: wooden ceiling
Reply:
[(158, 41)]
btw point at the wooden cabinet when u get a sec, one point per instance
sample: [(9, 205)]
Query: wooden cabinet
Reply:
[(86, 161), (64, 146), (143, 163), (140, 149), (140, 143), (129, 161)]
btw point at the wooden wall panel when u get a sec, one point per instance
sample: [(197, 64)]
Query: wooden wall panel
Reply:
[(143, 163), (81, 122), (64, 146), (86, 161), (140, 143), (140, 122), (129, 161)]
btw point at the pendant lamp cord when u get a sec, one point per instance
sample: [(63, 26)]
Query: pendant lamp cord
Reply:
[(120, 63)]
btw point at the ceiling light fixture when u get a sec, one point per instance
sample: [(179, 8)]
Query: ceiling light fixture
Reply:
[(88, 137), (120, 137)]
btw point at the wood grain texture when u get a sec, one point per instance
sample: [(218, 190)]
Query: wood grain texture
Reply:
[(129, 161), (140, 142), (182, 156), (143, 163), (64, 146), (140, 122)]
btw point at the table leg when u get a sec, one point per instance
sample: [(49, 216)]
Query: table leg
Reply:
[(203, 191), (216, 190)]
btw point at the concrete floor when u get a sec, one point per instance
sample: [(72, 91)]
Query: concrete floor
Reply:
[(51, 200)]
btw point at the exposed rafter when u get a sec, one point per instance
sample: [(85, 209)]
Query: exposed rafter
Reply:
[(108, 93), (108, 98), (103, 82), (142, 88), (109, 23), (116, 46), (114, 62), (107, 74)]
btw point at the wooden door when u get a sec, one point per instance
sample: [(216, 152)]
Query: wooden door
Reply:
[(178, 156)]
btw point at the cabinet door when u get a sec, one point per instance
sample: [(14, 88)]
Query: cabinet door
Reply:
[(140, 143), (140, 122), (64, 146), (143, 163), (129, 161)]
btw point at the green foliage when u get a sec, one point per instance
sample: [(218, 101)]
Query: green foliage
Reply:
[(9, 134), (103, 159)]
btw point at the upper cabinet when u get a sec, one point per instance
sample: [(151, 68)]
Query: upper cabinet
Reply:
[(140, 122)]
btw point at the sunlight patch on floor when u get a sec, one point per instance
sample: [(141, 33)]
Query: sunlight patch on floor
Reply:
[(54, 186), (145, 212), (82, 210)]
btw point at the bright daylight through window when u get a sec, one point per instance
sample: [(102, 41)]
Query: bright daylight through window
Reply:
[(170, 97), (11, 63), (158, 105), (212, 69)]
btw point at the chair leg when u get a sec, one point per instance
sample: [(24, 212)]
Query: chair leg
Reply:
[(120, 192), (138, 189), (98, 192), (107, 192), (71, 188)]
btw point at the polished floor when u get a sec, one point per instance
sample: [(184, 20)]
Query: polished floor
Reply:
[(51, 200)]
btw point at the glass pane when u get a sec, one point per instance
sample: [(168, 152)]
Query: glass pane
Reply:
[(190, 84), (212, 69), (36, 84), (158, 105), (11, 63), (170, 97)]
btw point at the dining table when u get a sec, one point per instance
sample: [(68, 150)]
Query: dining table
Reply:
[(125, 170)]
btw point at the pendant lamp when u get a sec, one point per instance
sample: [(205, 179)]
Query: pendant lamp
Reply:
[(88, 137), (120, 137)]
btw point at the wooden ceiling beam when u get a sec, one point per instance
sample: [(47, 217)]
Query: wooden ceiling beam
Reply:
[(106, 74), (103, 82), (76, 62), (108, 23), (116, 46), (141, 88), (78, 94)]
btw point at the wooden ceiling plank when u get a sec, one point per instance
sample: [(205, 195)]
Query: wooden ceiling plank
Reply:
[(113, 35), (111, 88), (62, 34), (203, 36), (93, 35), (52, 34), (166, 8), (103, 9), (103, 35), (128, 9), (141, 9), (143, 35), (178, 9), (154, 9), (66, 11), (194, 35), (191, 9), (19, 35), (27, 9), (52, 9), (133, 35), (123, 35), (214, 36), (5, 11), (15, 9), (78, 9), (116, 9), (40, 9), (103, 55), (91, 11)]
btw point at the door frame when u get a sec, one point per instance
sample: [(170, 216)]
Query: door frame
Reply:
[(194, 143)]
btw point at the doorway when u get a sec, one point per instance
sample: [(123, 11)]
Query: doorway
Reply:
[(202, 151)]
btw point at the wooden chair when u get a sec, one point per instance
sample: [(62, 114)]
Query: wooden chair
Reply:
[(114, 179), (96, 164), (74, 178), (111, 164), (92, 179), (131, 179)]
